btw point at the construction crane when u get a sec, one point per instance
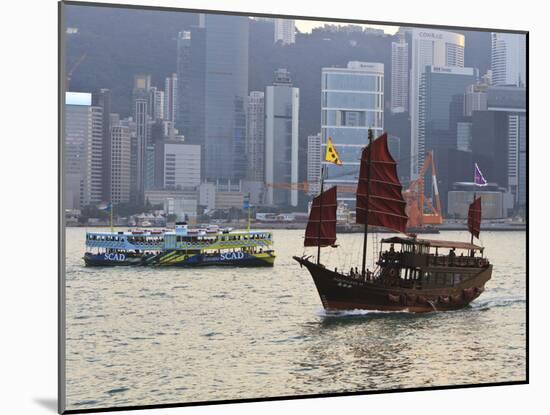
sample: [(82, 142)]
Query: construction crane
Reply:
[(74, 67), (420, 209)]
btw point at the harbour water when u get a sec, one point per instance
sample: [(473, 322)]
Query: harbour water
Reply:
[(142, 336)]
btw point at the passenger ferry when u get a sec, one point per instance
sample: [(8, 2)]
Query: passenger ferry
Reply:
[(122, 248), (181, 247)]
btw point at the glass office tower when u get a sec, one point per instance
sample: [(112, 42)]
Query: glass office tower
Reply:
[(352, 101)]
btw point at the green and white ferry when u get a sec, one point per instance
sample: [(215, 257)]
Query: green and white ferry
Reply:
[(181, 247)]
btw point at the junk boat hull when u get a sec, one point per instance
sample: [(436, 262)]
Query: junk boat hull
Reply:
[(342, 292)]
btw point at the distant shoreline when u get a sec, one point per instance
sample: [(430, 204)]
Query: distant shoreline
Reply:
[(497, 227)]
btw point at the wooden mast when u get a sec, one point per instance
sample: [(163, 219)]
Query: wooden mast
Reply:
[(320, 214), (365, 239)]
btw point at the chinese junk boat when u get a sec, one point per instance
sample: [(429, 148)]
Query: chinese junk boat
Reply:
[(412, 274)]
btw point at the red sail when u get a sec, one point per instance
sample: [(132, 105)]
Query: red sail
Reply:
[(386, 204), (474, 217), (322, 232)]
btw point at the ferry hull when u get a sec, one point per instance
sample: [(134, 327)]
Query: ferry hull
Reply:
[(340, 292), (112, 260), (236, 259)]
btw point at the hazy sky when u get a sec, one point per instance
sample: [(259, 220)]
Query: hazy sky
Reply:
[(307, 25)]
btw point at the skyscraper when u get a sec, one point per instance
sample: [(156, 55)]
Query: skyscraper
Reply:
[(83, 151), (156, 103), (429, 48), (142, 85), (170, 97), (255, 138), (225, 92), (103, 99), (284, 31), (352, 101), (508, 59), (441, 103), (282, 103), (314, 164), (119, 185), (183, 70), (400, 75)]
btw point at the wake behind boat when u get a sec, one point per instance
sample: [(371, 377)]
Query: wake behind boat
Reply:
[(418, 275)]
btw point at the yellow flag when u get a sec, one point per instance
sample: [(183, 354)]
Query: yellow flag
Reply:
[(332, 155)]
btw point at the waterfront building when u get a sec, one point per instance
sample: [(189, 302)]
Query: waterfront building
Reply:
[(83, 151), (508, 59), (182, 164), (494, 200), (430, 48), (282, 103), (314, 157), (255, 138), (352, 101), (284, 31)]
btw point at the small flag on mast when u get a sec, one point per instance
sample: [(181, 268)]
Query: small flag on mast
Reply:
[(332, 155), (479, 180)]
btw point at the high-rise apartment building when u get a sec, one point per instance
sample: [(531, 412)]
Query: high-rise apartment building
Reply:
[(103, 99), (400, 75), (352, 101), (171, 97), (156, 103), (282, 104), (314, 157), (255, 138), (430, 48), (508, 59), (284, 31), (120, 164), (183, 70), (83, 151)]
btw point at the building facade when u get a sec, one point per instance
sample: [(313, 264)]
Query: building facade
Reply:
[(508, 59), (120, 164), (182, 165), (352, 101), (282, 104), (400, 75), (83, 151), (314, 158), (255, 138), (170, 98), (429, 48), (284, 31), (225, 93)]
